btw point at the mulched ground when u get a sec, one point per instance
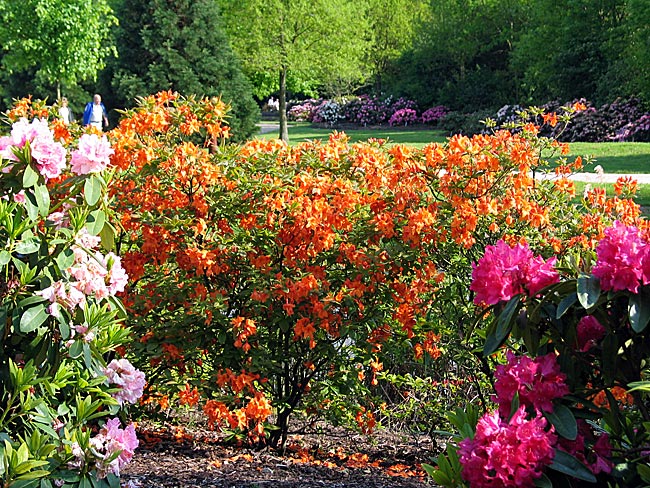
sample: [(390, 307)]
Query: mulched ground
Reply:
[(174, 457)]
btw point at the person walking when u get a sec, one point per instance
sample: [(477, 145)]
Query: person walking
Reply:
[(65, 114), (95, 113)]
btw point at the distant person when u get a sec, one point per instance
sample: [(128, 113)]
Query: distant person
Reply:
[(65, 114), (95, 113)]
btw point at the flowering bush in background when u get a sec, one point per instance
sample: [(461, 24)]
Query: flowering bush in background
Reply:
[(433, 115), (303, 111), (403, 116), (328, 112), (60, 316)]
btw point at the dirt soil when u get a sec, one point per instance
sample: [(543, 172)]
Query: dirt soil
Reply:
[(322, 456)]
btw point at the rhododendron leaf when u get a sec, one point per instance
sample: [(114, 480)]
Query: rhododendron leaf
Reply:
[(30, 177), (32, 318), (42, 199), (85, 482), (113, 481), (644, 472), (92, 190), (564, 422), (588, 291), (567, 464), (565, 304), (5, 257), (31, 205), (95, 222), (76, 349), (543, 482), (65, 259), (107, 235), (504, 326), (639, 309), (28, 245)]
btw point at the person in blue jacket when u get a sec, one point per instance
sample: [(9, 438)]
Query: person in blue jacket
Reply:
[(95, 113)]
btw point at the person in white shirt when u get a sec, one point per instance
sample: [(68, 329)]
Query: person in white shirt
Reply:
[(65, 114), (95, 113)]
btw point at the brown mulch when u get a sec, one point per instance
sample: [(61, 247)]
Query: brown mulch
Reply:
[(173, 457)]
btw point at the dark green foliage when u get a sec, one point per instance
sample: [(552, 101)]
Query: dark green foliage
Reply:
[(180, 46)]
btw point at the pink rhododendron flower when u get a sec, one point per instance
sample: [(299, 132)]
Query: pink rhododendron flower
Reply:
[(19, 197), (622, 259), (92, 156), (589, 332), (112, 439), (60, 293), (504, 272), (120, 372), (117, 276), (537, 381), (49, 155), (506, 454)]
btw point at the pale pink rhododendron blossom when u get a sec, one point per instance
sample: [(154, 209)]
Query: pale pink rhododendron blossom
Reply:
[(623, 259), (538, 381), (63, 294), (506, 454), (112, 439), (505, 271), (131, 381), (48, 154), (589, 332), (19, 197), (92, 156)]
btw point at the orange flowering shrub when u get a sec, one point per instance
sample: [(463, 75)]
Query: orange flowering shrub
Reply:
[(266, 274)]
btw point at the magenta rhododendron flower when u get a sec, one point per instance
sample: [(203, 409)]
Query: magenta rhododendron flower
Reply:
[(596, 456), (111, 440), (506, 454), (92, 156), (589, 332), (622, 259), (131, 381), (504, 272), (538, 381)]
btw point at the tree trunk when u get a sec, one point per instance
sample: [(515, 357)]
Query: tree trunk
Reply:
[(284, 131), (58, 92)]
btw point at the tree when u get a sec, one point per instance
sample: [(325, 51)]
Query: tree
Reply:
[(66, 40), (311, 39), (181, 46)]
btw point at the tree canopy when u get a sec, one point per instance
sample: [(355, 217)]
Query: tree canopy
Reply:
[(64, 40), (181, 46)]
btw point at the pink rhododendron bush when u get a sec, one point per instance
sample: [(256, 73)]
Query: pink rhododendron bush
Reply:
[(63, 390), (571, 346)]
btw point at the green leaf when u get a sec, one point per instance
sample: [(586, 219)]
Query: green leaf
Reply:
[(76, 349), (85, 483), (5, 257), (564, 422), (505, 322), (588, 289), (28, 245), (564, 305), (92, 190), (565, 463), (543, 482), (33, 318), (95, 222), (65, 259), (30, 177), (639, 309), (107, 235), (42, 199)]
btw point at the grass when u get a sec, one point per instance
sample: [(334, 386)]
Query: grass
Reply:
[(614, 157)]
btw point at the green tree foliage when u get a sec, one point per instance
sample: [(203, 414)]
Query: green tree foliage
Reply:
[(393, 27), (321, 40), (460, 57), (64, 40), (181, 46)]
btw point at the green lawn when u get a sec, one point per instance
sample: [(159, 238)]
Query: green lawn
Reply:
[(614, 157)]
